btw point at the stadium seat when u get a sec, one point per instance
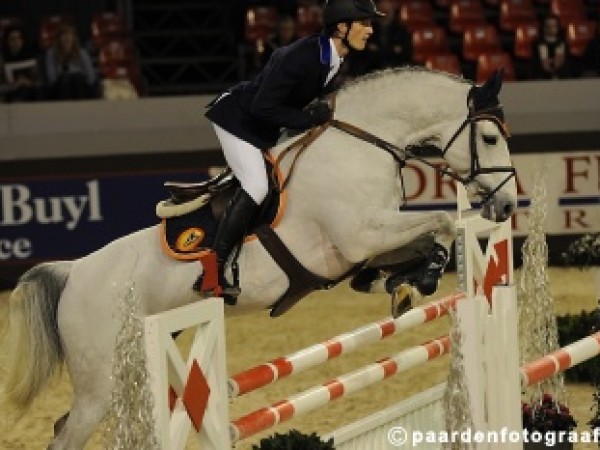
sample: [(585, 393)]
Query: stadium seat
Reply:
[(309, 20), (525, 35), (568, 11), (444, 62), (464, 14), (428, 40), (416, 13), (106, 26), (260, 24), (516, 12), (480, 39), (49, 27), (579, 33), (487, 63)]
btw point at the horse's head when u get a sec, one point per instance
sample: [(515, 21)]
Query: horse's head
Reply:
[(477, 151)]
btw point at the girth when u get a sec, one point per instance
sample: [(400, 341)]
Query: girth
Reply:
[(302, 281)]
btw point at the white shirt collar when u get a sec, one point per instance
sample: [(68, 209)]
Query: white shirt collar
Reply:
[(335, 63)]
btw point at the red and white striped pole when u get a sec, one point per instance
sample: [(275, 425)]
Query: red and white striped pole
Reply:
[(560, 360), (264, 374), (313, 398)]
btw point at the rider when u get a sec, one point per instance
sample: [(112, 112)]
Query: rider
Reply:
[(249, 116)]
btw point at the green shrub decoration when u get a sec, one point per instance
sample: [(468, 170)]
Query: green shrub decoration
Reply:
[(294, 440)]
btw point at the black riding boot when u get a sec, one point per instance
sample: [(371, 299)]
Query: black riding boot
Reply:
[(236, 218), (433, 270)]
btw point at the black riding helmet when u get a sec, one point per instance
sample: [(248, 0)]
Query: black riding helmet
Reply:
[(336, 11)]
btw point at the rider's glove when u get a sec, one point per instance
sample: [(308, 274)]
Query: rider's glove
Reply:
[(319, 112)]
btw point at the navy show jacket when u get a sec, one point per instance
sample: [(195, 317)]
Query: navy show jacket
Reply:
[(256, 110)]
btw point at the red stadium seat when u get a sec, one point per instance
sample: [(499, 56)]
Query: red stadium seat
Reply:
[(416, 13), (487, 63), (516, 12), (464, 14), (106, 26), (480, 39), (444, 62), (309, 20), (525, 35), (49, 27), (568, 11), (428, 40), (579, 33), (260, 23)]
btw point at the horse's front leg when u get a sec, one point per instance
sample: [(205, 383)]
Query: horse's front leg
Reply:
[(386, 232)]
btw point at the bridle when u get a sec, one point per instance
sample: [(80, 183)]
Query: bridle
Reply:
[(401, 156)]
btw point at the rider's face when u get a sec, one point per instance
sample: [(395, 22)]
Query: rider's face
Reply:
[(359, 33)]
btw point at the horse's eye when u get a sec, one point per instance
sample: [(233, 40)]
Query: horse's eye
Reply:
[(490, 140)]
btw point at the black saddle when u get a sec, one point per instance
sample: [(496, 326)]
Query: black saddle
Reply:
[(185, 192)]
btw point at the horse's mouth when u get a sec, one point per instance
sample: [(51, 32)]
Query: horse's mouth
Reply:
[(492, 208)]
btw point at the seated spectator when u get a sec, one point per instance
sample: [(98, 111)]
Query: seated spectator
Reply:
[(284, 35), (69, 71), (550, 52), (20, 68), (591, 57), (390, 45)]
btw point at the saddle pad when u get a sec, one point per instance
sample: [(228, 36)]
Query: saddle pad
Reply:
[(188, 235)]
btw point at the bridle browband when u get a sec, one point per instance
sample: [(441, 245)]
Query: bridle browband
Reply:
[(401, 156)]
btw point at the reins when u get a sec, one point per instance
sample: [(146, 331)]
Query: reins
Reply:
[(401, 156)]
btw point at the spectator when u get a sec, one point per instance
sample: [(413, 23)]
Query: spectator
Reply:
[(285, 35), (69, 71), (390, 45), (20, 67), (550, 52), (591, 57)]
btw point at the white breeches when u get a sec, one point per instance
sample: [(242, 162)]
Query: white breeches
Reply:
[(246, 162)]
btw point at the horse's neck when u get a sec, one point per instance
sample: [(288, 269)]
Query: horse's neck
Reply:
[(403, 106)]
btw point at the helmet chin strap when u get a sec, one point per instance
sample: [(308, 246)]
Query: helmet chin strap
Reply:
[(345, 40)]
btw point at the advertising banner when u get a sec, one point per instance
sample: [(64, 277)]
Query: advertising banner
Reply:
[(572, 181), (67, 217)]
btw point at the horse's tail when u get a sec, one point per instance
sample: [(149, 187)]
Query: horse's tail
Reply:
[(32, 347)]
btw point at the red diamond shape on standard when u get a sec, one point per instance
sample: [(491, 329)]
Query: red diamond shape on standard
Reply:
[(195, 395)]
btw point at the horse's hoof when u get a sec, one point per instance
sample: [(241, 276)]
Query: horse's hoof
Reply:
[(428, 285), (401, 300)]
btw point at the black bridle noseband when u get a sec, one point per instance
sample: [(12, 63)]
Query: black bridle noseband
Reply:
[(401, 156)]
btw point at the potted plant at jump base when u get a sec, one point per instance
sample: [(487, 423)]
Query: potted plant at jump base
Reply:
[(548, 424)]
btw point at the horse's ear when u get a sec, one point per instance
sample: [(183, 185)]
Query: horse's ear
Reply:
[(494, 82)]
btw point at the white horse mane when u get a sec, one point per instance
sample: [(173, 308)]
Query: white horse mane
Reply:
[(406, 95)]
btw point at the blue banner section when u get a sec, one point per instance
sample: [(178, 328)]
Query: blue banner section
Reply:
[(67, 217)]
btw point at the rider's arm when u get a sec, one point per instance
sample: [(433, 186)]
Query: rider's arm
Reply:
[(280, 77)]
